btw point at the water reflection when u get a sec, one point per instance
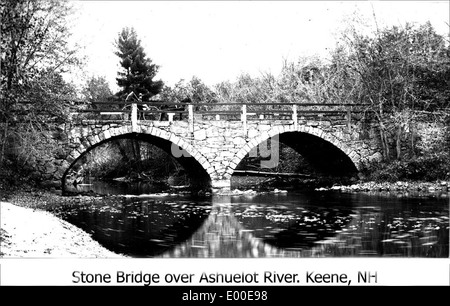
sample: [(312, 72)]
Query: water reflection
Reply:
[(307, 224), (138, 227), (117, 188), (322, 225), (399, 231), (292, 227)]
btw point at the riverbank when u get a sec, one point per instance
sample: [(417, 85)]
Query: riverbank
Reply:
[(423, 187), (27, 232)]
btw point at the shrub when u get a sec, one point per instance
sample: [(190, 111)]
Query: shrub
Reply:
[(423, 168)]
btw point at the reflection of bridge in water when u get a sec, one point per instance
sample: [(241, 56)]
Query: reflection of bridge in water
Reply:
[(223, 236), (368, 233), (211, 143)]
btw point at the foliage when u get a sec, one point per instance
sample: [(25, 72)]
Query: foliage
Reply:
[(97, 89), (289, 161), (193, 91), (138, 70), (422, 168), (117, 159), (35, 53), (35, 38), (309, 80), (400, 72), (31, 138)]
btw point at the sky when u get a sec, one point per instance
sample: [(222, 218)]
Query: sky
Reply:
[(219, 40)]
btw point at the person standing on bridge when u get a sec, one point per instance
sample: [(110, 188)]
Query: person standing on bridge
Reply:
[(132, 97)]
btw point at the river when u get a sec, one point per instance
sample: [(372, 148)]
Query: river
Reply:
[(282, 224)]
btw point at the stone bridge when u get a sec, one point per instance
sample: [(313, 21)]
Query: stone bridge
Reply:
[(210, 148)]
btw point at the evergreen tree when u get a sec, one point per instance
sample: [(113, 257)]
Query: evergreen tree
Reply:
[(136, 76), (138, 70)]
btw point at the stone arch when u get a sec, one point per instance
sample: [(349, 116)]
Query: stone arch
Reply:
[(351, 153), (95, 140)]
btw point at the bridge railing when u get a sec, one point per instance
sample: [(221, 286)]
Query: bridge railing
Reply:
[(169, 111), (135, 111), (160, 110)]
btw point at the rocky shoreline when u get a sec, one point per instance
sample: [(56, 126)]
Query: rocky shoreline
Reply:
[(50, 200), (428, 187)]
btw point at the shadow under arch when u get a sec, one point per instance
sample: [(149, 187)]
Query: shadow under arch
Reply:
[(323, 155), (326, 153), (194, 169)]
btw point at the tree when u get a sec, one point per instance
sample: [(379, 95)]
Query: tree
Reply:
[(34, 53), (138, 71), (136, 76), (194, 91), (97, 89), (402, 73), (35, 37)]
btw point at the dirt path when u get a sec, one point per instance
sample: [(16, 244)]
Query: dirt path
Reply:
[(27, 232)]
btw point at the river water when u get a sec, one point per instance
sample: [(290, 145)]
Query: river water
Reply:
[(273, 224)]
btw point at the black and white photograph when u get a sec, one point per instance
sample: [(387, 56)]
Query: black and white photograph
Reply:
[(224, 129)]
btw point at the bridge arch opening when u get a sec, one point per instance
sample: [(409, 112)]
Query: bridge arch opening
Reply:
[(296, 155), (195, 175), (324, 156)]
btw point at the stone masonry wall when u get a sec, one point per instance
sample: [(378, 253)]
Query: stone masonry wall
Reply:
[(218, 145)]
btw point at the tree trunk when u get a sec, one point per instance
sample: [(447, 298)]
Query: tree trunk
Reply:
[(398, 143), (384, 140), (4, 140), (122, 151), (411, 129), (383, 137), (137, 155)]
